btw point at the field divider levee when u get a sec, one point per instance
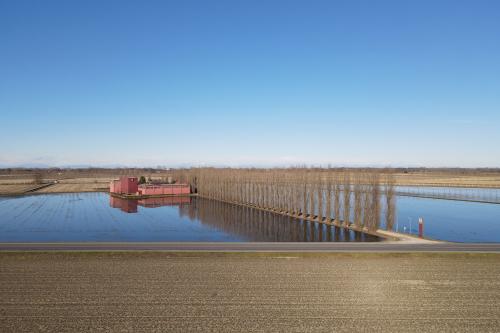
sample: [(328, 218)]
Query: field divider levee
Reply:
[(443, 197), (38, 187), (27, 190)]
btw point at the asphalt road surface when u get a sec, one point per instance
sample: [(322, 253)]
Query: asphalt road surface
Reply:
[(257, 247)]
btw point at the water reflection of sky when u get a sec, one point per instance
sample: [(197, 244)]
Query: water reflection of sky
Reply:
[(450, 220), (95, 217), (91, 217)]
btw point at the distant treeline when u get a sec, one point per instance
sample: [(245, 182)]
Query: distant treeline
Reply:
[(137, 171)]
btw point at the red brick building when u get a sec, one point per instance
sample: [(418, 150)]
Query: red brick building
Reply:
[(167, 189), (124, 185), (129, 185)]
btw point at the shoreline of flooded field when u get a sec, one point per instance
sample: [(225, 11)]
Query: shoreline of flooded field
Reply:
[(91, 217)]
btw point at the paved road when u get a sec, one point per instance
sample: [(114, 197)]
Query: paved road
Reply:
[(257, 247)]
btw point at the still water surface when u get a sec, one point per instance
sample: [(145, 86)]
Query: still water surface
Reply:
[(450, 220), (99, 217)]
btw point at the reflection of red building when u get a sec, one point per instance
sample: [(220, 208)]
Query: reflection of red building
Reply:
[(128, 206), (165, 201)]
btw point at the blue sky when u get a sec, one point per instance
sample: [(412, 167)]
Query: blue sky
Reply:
[(146, 83)]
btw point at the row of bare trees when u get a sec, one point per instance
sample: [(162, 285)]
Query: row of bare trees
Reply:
[(344, 197)]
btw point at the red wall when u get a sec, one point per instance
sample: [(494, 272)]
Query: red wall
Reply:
[(127, 185), (172, 189), (115, 187)]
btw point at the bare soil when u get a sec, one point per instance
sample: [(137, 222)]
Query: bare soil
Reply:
[(75, 187), (168, 292), (449, 180), (16, 188)]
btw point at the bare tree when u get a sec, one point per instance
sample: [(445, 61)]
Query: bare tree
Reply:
[(336, 200), (329, 200), (37, 178), (375, 201), (358, 201), (319, 188), (347, 198), (390, 200)]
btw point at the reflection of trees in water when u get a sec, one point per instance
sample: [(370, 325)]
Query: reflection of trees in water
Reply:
[(258, 225), (246, 222)]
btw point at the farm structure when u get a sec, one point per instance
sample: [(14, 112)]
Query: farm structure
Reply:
[(124, 185), (130, 186), (164, 189)]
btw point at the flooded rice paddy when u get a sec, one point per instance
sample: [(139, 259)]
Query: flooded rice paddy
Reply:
[(484, 195), (94, 217), (450, 220)]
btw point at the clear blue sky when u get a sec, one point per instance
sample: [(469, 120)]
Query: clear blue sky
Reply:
[(386, 83)]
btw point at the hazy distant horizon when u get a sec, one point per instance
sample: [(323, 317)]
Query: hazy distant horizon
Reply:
[(187, 165), (256, 83)]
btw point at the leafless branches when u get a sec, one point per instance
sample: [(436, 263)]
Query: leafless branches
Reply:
[(390, 201), (302, 192)]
